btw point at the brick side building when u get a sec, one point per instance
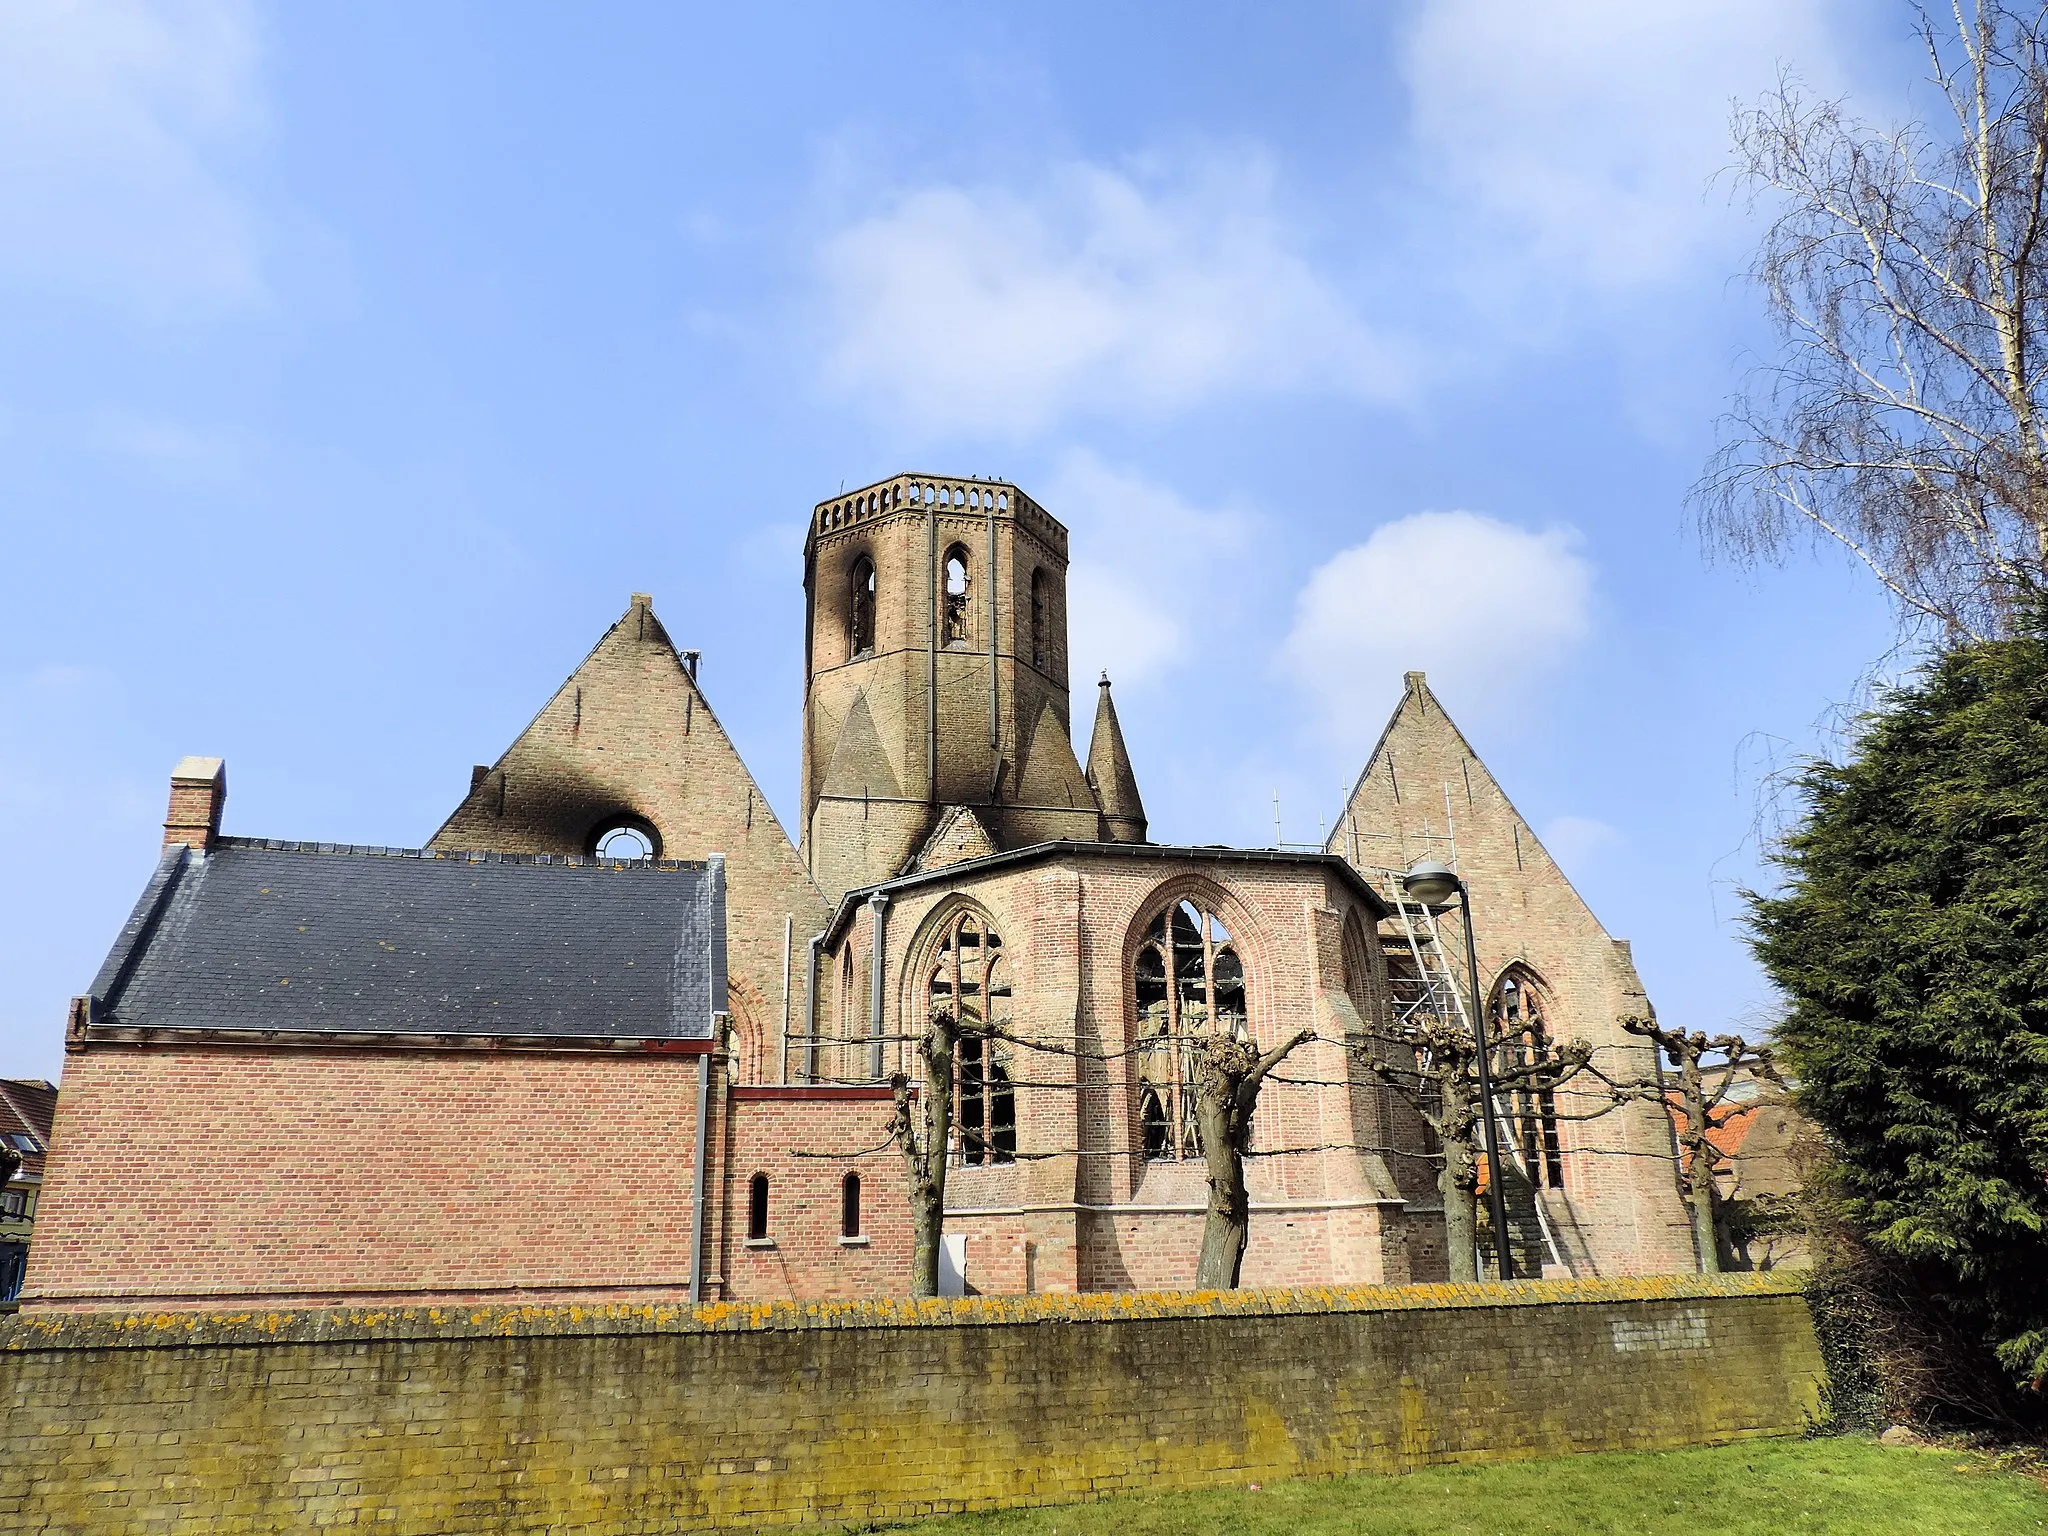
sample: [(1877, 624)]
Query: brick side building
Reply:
[(504, 1022)]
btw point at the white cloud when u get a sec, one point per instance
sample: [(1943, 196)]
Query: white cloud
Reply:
[(112, 113), (1590, 128), (1001, 310), (1130, 617), (1574, 841), (1484, 607)]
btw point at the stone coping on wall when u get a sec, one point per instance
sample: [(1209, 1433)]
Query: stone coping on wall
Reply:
[(176, 1330)]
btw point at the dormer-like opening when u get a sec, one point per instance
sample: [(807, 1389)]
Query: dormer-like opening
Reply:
[(860, 617), (954, 631), (625, 839)]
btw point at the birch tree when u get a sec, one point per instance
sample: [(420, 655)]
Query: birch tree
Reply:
[(1904, 269)]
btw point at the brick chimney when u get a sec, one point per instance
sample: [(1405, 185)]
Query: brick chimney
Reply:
[(199, 792)]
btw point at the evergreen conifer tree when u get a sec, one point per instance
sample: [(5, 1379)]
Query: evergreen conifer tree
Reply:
[(1911, 940)]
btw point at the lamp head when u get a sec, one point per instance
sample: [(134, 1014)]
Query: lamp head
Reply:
[(1431, 883)]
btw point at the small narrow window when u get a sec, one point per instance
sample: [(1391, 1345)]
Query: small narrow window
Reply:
[(849, 1206), (757, 1208), (1038, 620), (955, 632), (860, 626)]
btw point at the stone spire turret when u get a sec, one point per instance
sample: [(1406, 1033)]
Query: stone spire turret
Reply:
[(1110, 776)]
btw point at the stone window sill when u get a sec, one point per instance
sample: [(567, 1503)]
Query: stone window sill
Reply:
[(760, 1242), (853, 1242)]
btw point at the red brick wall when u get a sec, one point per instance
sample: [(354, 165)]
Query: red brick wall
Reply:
[(764, 1131), (310, 1176), (1079, 1210)]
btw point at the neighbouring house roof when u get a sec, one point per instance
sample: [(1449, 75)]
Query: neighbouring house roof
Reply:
[(327, 938), (27, 1106)]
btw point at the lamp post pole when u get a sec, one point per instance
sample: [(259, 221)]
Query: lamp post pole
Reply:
[(1431, 884), (1496, 1195)]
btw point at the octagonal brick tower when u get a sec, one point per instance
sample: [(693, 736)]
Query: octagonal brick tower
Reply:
[(935, 679)]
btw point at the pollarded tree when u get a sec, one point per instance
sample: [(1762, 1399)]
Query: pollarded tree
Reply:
[(1228, 1076), (1433, 1064), (1911, 940), (927, 1145), (1709, 1069)]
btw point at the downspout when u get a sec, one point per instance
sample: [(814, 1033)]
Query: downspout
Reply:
[(878, 908), (721, 1026), (931, 647), (988, 503), (811, 1009), (697, 1184), (782, 1044)]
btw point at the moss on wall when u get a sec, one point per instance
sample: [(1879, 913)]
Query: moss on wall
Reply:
[(651, 1419)]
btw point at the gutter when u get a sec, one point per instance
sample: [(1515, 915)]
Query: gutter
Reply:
[(852, 900)]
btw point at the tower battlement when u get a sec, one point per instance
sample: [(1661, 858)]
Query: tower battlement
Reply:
[(917, 492)]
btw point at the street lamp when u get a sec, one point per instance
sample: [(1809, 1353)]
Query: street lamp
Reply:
[(1433, 884)]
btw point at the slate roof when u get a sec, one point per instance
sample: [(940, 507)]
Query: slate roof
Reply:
[(260, 935)]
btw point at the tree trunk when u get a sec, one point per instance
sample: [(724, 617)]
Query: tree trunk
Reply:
[(1461, 1214), (1230, 1073), (926, 1153), (1227, 1227), (1704, 1236), (1699, 1167)]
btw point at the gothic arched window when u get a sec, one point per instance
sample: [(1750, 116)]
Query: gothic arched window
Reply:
[(1038, 619), (860, 616), (1188, 983), (971, 979), (1523, 1037), (757, 1208), (956, 595)]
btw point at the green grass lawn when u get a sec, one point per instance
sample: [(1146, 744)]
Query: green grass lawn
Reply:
[(1842, 1487)]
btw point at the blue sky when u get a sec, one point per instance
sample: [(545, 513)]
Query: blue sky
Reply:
[(356, 363)]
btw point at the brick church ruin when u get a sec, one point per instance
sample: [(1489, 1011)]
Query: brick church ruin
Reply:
[(611, 1036)]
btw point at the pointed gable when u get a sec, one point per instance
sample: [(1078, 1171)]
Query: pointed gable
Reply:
[(960, 835), (630, 738), (1110, 775), (1424, 792)]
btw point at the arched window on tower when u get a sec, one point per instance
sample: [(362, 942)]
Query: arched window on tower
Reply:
[(1188, 983), (1523, 1037), (1038, 619), (971, 978), (956, 595), (757, 1209), (860, 617)]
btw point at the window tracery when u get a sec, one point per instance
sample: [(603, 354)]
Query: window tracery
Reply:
[(1188, 983), (1523, 1038), (971, 979)]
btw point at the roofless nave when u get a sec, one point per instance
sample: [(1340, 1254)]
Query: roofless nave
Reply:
[(586, 1078)]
